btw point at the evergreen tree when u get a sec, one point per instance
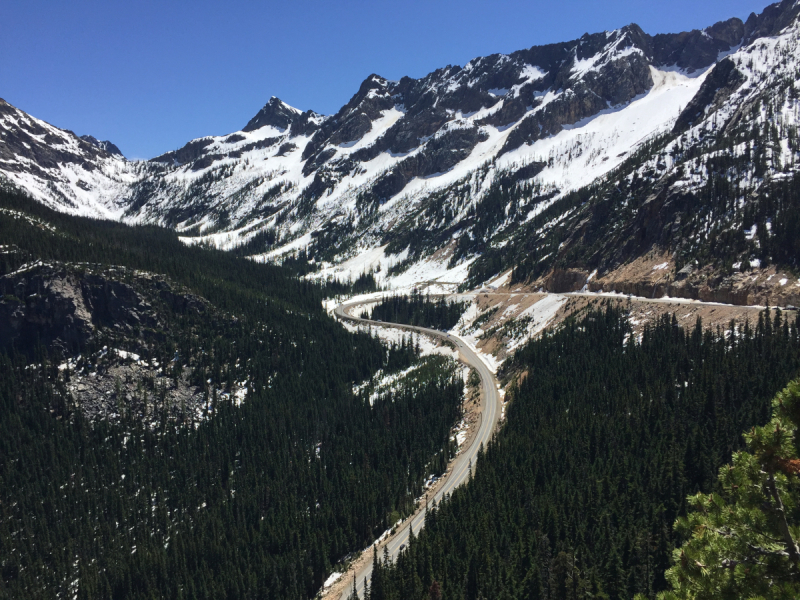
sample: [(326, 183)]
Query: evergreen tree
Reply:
[(743, 540), (239, 500), (606, 437)]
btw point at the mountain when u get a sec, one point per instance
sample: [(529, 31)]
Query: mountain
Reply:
[(717, 196), (133, 365), (512, 161), (78, 175), (105, 145), (178, 422), (363, 177)]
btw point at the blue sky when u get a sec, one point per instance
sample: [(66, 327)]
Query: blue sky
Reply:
[(151, 75)]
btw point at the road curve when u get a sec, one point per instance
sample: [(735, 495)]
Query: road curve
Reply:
[(461, 466), (491, 406)]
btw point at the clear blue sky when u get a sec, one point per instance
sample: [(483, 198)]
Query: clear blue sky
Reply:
[(152, 75)]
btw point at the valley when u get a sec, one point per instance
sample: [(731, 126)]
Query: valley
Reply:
[(444, 177), (497, 331)]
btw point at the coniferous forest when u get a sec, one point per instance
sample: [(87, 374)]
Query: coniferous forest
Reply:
[(190, 411), (249, 500), (420, 310), (606, 437)]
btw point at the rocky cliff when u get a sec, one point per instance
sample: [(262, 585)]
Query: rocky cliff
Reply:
[(510, 161)]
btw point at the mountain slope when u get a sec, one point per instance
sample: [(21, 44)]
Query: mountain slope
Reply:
[(153, 395), (467, 171), (716, 194), (78, 175), (356, 175)]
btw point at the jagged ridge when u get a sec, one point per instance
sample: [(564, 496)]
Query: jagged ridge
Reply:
[(439, 171)]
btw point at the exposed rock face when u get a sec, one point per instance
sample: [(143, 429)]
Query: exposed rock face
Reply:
[(772, 20), (354, 119), (619, 72), (750, 289), (653, 275), (45, 307), (185, 155), (275, 113), (106, 145), (62, 307), (723, 80), (440, 155), (112, 385), (695, 50), (562, 281), (20, 139)]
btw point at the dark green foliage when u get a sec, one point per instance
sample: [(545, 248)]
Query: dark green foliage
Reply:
[(261, 242), (258, 502), (299, 263), (363, 283), (740, 542), (419, 310), (605, 439), (453, 213), (254, 501), (215, 275), (530, 254)]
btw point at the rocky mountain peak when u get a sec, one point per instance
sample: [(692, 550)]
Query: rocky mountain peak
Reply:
[(555, 117), (104, 145), (353, 120), (696, 50), (372, 87), (730, 32), (275, 113), (772, 20)]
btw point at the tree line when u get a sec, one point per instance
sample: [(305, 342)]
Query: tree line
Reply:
[(250, 501), (420, 310), (606, 437)]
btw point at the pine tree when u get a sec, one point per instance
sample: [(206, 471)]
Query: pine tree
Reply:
[(743, 540), (377, 586), (354, 592)]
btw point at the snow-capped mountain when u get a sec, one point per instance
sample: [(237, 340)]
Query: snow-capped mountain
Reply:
[(716, 195), (357, 179), (467, 171), (106, 145), (74, 174)]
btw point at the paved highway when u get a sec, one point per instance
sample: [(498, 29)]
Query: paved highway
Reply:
[(491, 400), (460, 470)]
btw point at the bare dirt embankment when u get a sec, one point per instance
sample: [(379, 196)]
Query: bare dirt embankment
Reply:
[(506, 317), (654, 275)]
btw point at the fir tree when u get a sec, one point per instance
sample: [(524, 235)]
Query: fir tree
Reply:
[(743, 540)]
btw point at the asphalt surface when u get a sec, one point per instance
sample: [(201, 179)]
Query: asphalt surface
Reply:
[(460, 472), (491, 407)]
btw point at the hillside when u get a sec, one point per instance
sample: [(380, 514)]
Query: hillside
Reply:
[(181, 415), (153, 395), (606, 436), (582, 155)]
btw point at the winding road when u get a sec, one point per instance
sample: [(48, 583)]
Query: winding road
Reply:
[(491, 411), (459, 472)]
